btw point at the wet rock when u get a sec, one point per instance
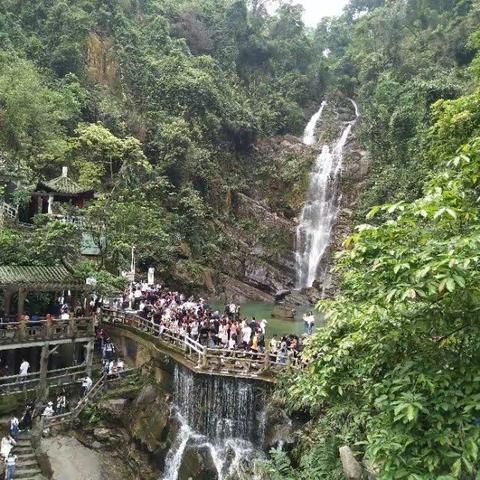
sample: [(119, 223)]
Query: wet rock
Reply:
[(281, 294), (197, 463), (278, 428), (283, 311), (114, 407), (149, 420), (351, 467), (313, 295)]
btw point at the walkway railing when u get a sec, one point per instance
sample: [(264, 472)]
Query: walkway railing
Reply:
[(200, 357), (96, 389), (31, 381), (43, 330)]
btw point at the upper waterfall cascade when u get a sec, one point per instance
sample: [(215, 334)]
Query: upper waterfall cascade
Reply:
[(322, 202), (309, 134)]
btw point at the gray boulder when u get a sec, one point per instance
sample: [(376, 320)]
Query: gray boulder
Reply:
[(351, 467)]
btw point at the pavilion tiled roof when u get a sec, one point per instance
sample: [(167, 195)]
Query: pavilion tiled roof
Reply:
[(38, 278), (64, 184)]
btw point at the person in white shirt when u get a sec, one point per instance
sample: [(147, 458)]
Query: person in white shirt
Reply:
[(6, 445), (246, 335), (14, 428), (24, 366), (263, 325), (86, 384), (48, 412), (310, 319), (10, 463)]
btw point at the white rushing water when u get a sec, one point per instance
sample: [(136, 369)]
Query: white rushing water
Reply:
[(309, 134), (322, 202), (220, 419)]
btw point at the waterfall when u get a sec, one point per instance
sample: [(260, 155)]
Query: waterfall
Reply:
[(321, 206), (309, 135), (222, 418)]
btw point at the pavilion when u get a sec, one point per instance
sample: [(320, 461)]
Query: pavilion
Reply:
[(61, 189), (25, 279)]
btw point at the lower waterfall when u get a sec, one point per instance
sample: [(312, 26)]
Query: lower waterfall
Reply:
[(222, 420)]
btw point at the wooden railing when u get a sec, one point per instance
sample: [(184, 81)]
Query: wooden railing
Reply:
[(215, 360), (43, 329), (31, 381), (96, 389)]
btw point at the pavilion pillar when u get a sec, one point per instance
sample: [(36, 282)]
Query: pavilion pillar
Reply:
[(50, 204), (22, 295), (7, 301), (43, 386), (89, 347)]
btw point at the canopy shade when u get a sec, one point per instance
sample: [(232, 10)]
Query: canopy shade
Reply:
[(38, 278)]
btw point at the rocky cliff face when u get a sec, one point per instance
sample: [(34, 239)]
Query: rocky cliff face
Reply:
[(259, 218)]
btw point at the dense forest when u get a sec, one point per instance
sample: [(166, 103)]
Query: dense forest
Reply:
[(161, 105), (154, 104)]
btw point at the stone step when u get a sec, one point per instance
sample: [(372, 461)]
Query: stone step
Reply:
[(23, 451), (24, 441), (26, 456), (26, 462), (26, 473)]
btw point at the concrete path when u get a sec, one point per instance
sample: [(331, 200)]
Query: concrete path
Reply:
[(70, 460)]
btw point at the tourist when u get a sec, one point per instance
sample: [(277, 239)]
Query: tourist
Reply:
[(273, 345), (6, 445), (48, 412), (61, 404), (263, 325), (10, 463), (26, 420), (108, 350), (120, 365), (86, 385), (310, 319), (305, 322), (246, 336), (24, 366), (14, 427)]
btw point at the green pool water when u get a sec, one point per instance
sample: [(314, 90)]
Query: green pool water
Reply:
[(275, 325)]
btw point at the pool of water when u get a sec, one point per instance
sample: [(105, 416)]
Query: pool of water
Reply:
[(275, 325)]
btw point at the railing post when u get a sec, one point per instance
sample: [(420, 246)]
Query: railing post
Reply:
[(89, 357), (266, 362), (204, 360), (72, 326), (49, 326), (42, 387), (22, 328)]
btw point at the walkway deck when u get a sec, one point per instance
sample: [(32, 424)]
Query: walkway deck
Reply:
[(197, 357), (55, 332)]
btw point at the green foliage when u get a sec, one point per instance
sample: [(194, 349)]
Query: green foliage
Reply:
[(150, 103), (401, 353), (398, 58)]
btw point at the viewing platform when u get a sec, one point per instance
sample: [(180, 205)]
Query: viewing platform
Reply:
[(192, 354)]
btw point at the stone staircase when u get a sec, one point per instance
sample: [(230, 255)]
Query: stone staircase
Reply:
[(27, 465)]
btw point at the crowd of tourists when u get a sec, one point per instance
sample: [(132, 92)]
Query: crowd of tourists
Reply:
[(192, 317)]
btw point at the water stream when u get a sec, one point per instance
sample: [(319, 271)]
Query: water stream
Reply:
[(220, 419), (322, 202)]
